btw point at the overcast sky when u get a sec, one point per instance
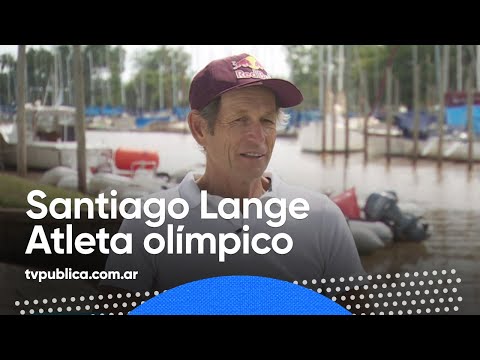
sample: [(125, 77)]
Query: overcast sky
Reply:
[(272, 57)]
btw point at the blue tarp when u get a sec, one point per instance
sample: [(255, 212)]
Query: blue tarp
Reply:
[(181, 112), (104, 111), (405, 121), (457, 117), (144, 121)]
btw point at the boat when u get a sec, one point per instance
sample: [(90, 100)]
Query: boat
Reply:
[(131, 172), (51, 140), (311, 134), (455, 135), (381, 221)]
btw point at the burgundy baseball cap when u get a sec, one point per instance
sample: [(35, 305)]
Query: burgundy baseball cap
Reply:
[(235, 72)]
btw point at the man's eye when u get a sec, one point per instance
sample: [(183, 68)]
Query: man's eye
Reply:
[(269, 121)]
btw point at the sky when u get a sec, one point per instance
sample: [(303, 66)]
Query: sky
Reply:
[(272, 57)]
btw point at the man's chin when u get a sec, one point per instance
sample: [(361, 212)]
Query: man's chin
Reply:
[(252, 173)]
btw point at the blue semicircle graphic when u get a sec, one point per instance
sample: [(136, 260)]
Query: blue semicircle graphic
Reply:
[(239, 295)]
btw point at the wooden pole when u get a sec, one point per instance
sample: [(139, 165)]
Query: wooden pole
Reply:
[(389, 111), (347, 100), (334, 122), (321, 93), (477, 73), (416, 95), (326, 103), (444, 88), (397, 95), (80, 118), (161, 90), (470, 95), (21, 124), (459, 68), (362, 102), (320, 79)]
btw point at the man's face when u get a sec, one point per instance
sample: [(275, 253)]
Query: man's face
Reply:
[(244, 134)]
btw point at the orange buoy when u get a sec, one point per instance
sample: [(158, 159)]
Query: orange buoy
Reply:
[(134, 159)]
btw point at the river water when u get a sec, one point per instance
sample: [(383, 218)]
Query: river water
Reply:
[(447, 197)]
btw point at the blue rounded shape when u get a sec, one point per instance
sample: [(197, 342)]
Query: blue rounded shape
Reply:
[(240, 295)]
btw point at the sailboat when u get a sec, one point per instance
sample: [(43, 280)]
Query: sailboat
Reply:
[(51, 140)]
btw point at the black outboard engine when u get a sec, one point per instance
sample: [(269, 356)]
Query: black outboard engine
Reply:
[(406, 227)]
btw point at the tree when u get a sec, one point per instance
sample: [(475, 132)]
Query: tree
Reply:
[(303, 62), (39, 74), (7, 79), (373, 60), (143, 92), (104, 66)]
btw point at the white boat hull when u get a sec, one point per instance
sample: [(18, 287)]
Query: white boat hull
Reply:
[(428, 149), (310, 137), (44, 155)]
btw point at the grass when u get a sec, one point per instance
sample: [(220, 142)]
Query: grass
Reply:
[(14, 191)]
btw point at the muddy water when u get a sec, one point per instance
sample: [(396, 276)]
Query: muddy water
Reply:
[(448, 197)]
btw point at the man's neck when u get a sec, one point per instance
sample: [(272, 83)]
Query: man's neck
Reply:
[(234, 188)]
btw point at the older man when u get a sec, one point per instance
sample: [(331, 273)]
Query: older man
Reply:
[(235, 109)]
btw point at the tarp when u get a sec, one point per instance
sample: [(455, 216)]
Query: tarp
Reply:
[(405, 121), (144, 121), (457, 117), (104, 111)]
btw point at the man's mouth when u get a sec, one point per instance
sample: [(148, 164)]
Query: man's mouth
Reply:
[(252, 155)]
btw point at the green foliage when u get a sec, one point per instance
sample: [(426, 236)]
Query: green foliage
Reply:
[(172, 64), (14, 191), (372, 61)]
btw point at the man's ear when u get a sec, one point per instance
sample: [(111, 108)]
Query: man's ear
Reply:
[(198, 126)]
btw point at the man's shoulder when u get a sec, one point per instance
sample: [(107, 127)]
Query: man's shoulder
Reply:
[(167, 194), (317, 201), (291, 191)]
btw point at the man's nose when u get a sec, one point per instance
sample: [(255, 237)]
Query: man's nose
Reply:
[(256, 131)]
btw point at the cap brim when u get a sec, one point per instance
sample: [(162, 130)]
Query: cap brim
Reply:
[(288, 95)]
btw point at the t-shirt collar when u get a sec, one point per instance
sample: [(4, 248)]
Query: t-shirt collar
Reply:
[(190, 192)]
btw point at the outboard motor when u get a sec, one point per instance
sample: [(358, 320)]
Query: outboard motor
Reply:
[(406, 227)]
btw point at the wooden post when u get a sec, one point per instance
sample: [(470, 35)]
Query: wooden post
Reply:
[(347, 100), (338, 95), (441, 118), (334, 122), (362, 102), (416, 94), (161, 91), (21, 124), (389, 111), (321, 96), (459, 68), (477, 72), (174, 81), (396, 101), (92, 84), (470, 95), (80, 118), (365, 135), (324, 122), (326, 104), (321, 93)]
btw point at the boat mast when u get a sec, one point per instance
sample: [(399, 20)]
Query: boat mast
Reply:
[(21, 124), (161, 91), (174, 81)]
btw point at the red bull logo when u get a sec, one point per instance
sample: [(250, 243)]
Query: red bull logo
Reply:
[(255, 69), (247, 62)]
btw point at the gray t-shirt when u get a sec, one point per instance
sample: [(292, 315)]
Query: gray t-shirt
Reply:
[(323, 246)]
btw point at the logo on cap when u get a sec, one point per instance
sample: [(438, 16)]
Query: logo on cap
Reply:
[(255, 70)]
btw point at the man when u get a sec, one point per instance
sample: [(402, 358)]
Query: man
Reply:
[(235, 110)]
